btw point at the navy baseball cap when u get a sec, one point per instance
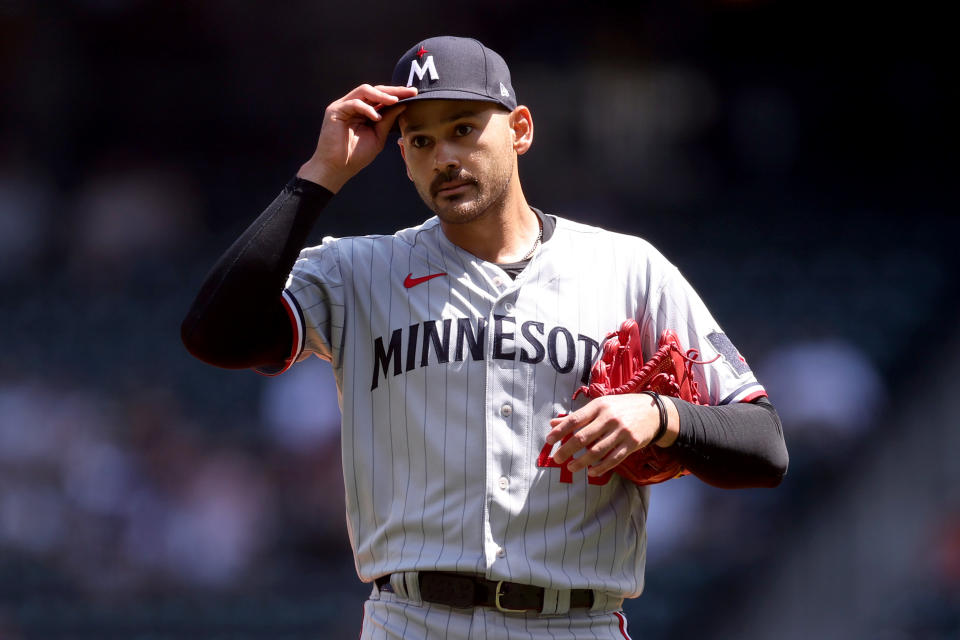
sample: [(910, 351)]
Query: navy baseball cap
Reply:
[(452, 68)]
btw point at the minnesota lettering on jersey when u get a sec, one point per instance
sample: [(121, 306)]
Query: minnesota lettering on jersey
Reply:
[(530, 342)]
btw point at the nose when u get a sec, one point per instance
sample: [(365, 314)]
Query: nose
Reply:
[(445, 157)]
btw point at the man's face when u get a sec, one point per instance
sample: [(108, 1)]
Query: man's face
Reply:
[(459, 155)]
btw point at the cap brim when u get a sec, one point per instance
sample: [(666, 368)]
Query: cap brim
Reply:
[(452, 94)]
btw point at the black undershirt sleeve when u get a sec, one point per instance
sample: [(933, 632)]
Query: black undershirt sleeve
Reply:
[(238, 319), (732, 446)]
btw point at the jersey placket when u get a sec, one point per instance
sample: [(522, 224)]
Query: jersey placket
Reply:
[(504, 410)]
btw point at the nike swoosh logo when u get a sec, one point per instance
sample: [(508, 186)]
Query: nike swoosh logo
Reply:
[(410, 281)]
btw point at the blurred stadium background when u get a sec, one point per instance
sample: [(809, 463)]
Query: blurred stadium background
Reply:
[(793, 159)]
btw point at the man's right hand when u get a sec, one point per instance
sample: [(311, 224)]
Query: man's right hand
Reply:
[(354, 131)]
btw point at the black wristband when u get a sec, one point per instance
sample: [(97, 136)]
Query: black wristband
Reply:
[(662, 410)]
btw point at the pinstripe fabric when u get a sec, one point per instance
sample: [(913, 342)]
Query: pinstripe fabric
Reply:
[(447, 387), (388, 617)]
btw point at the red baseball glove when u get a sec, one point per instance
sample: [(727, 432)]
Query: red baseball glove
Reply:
[(622, 369)]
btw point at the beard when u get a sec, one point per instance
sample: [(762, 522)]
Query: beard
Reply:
[(479, 197)]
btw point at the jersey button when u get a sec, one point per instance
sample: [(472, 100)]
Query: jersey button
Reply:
[(508, 307), (506, 410), (503, 482), (498, 282), (501, 552)]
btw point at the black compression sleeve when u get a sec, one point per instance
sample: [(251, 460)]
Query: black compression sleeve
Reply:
[(732, 446), (238, 319)]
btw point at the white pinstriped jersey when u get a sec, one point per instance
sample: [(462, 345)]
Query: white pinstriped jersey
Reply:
[(447, 385)]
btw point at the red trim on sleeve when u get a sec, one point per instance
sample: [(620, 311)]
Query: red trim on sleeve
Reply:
[(296, 347), (753, 396)]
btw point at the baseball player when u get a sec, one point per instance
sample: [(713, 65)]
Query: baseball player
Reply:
[(480, 498)]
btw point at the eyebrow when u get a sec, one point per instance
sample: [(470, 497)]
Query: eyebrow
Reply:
[(467, 113)]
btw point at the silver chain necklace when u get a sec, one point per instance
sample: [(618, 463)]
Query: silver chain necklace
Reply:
[(536, 243)]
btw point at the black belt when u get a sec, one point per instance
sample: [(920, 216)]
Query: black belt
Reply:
[(462, 591)]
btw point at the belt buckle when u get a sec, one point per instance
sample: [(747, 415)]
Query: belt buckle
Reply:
[(496, 600)]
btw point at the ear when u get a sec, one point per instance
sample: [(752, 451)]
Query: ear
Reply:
[(521, 122), (403, 153)]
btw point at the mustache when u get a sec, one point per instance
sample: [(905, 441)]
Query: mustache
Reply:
[(456, 175)]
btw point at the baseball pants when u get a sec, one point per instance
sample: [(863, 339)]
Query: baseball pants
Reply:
[(387, 616)]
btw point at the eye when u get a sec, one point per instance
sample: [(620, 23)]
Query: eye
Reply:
[(463, 129), (419, 142)]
